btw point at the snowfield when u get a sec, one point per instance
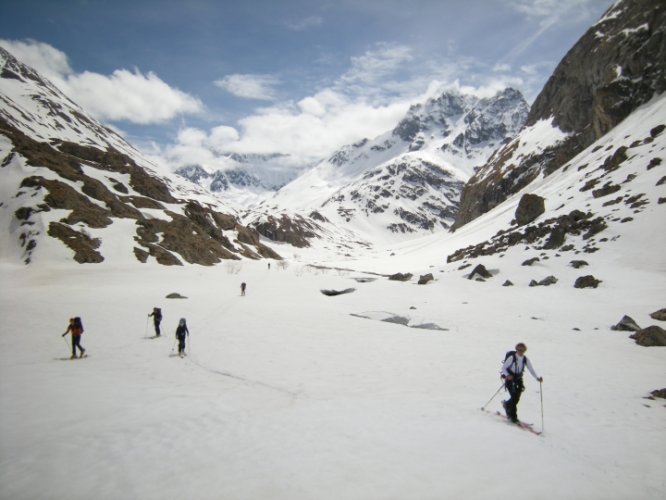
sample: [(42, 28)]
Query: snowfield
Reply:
[(285, 395)]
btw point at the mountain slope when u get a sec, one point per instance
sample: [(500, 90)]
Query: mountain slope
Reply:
[(618, 65), (73, 188)]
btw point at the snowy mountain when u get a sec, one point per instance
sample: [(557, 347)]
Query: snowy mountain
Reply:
[(403, 182), (617, 66), (74, 188)]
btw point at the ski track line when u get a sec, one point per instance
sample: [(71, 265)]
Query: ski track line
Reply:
[(242, 379)]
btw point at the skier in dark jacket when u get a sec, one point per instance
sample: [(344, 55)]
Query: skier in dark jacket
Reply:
[(512, 374), (181, 333), (75, 329), (157, 319)]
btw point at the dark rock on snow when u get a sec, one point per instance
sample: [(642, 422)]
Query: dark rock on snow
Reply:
[(529, 208), (659, 315), (588, 281), (626, 324), (400, 277), (333, 293), (481, 272), (651, 336), (425, 279)]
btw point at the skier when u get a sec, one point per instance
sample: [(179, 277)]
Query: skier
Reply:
[(157, 319), (181, 333), (75, 328), (243, 287), (512, 374)]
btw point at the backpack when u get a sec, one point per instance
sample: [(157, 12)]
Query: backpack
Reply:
[(78, 324), (512, 354)]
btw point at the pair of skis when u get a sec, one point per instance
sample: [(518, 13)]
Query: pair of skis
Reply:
[(521, 425)]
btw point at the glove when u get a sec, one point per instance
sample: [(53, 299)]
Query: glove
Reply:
[(64, 334)]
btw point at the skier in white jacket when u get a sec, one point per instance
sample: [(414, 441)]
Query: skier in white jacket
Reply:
[(512, 374)]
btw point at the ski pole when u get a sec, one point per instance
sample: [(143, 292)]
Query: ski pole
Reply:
[(145, 331), (541, 392), (496, 393)]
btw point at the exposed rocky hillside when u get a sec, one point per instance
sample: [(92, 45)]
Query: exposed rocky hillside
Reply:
[(614, 68), (74, 187)]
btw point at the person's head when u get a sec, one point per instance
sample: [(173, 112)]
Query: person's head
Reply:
[(182, 322), (521, 348), (71, 320)]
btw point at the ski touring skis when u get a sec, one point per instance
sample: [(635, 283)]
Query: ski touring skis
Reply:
[(521, 425)]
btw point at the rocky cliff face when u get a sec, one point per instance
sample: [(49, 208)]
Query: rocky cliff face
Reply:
[(618, 65), (76, 188)]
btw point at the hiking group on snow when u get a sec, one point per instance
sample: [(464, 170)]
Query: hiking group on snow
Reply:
[(511, 372)]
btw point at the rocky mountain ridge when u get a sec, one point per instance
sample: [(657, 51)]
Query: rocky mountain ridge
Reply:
[(618, 65), (69, 185)]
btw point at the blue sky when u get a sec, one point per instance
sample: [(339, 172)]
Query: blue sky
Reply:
[(189, 80)]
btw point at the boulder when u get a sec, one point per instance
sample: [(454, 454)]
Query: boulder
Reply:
[(588, 281), (550, 280), (577, 264), (651, 336), (400, 277), (529, 208), (333, 293), (481, 271), (175, 295), (659, 393), (507, 283), (426, 278), (531, 261), (626, 324), (659, 315)]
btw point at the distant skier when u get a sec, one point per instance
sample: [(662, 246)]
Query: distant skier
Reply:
[(157, 319), (75, 329), (243, 287), (512, 374), (181, 333)]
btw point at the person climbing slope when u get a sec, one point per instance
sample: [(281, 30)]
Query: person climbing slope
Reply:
[(157, 319), (75, 329), (512, 374), (181, 333)]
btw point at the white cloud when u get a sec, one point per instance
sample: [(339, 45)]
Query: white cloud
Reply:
[(47, 60), (122, 96), (258, 87), (377, 64), (130, 96), (543, 9), (305, 23)]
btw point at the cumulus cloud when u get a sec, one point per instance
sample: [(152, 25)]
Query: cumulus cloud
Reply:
[(122, 96), (258, 87)]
